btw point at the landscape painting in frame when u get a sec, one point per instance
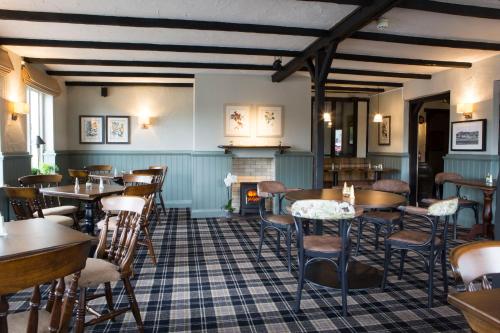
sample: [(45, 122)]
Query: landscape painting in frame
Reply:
[(468, 135), (269, 120), (384, 131), (92, 129), (236, 120), (118, 129)]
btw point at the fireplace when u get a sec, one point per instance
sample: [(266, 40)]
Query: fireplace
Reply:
[(249, 201)]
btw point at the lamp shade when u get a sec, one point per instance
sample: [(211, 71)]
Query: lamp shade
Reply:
[(327, 117), (377, 118), (465, 108), (39, 141), (21, 108)]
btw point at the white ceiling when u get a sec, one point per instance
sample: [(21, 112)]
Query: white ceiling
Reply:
[(291, 13)]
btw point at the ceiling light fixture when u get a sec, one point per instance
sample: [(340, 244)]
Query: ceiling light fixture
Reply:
[(377, 118), (277, 64)]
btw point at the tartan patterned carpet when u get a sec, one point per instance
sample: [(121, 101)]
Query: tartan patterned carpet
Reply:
[(207, 280)]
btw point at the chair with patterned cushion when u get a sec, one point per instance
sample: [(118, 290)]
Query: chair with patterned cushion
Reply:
[(385, 219), (313, 248), (159, 194), (113, 262), (157, 175), (25, 202), (282, 223), (429, 245), (463, 202), (50, 205), (473, 262)]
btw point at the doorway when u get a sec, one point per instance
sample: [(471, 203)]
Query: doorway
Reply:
[(428, 143)]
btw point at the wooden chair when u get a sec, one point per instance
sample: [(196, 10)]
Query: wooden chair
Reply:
[(82, 175), (25, 202), (50, 205), (99, 169), (384, 218), (473, 261), (34, 270), (157, 175), (429, 245), (114, 262), (164, 169)]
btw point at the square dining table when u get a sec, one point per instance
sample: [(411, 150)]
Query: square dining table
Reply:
[(89, 195)]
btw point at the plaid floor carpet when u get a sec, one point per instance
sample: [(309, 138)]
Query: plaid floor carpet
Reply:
[(207, 280)]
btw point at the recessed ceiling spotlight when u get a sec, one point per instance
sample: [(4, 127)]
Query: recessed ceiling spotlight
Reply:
[(382, 23)]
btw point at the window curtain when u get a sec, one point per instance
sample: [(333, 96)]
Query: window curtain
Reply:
[(5, 64), (40, 81)]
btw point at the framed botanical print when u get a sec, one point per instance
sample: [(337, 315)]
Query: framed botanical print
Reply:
[(384, 131), (469, 135), (270, 120), (118, 129), (91, 129), (236, 120)]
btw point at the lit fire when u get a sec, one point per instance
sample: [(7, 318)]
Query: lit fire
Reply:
[(252, 196)]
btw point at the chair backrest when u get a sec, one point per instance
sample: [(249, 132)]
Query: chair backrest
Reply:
[(442, 177), (38, 269), (164, 169), (472, 261), (269, 188), (392, 185), (25, 201), (146, 191), (98, 168), (82, 175), (136, 179), (124, 238), (43, 181)]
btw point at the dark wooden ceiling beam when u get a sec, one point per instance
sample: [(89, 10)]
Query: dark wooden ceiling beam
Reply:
[(361, 72), (365, 83), (402, 61), (127, 84), (345, 2), (439, 42), (145, 47), (136, 63), (122, 74), (143, 22), (356, 20), (352, 89), (451, 8)]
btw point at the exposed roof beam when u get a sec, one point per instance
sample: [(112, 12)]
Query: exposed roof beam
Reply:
[(402, 61), (353, 89), (126, 84), (362, 72), (136, 63), (353, 22), (122, 74), (143, 22), (145, 47), (345, 2), (458, 44), (451, 8), (366, 83)]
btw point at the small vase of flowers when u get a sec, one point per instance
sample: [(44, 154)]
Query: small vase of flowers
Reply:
[(229, 181)]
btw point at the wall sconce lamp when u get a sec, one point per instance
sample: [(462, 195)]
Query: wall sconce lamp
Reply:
[(466, 109), (19, 108), (377, 118), (327, 117), (145, 122)]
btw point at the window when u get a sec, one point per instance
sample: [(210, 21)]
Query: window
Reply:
[(40, 124)]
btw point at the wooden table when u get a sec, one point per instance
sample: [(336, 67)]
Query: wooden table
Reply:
[(485, 229), (480, 308), (88, 195), (360, 276), (377, 173)]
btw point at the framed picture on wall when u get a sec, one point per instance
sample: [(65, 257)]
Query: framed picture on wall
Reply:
[(118, 129), (469, 135), (236, 120), (270, 120), (92, 129), (384, 131)]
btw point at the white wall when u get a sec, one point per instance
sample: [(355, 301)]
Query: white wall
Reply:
[(170, 109), (213, 91)]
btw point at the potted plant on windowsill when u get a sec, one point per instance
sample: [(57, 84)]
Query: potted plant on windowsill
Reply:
[(45, 169), (228, 207)]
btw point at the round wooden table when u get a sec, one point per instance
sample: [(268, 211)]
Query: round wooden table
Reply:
[(360, 276)]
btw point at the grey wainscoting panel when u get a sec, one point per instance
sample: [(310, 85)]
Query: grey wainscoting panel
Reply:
[(398, 161), (177, 188), (14, 165), (294, 169), (471, 166), (209, 192)]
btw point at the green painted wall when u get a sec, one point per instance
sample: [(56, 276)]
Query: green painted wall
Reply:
[(13, 166), (398, 161)]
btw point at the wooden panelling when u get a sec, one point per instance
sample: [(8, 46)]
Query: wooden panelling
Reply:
[(398, 161), (13, 166), (295, 169)]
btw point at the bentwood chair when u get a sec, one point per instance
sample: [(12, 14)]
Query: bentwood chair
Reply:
[(159, 194), (386, 219), (463, 202), (25, 202), (313, 248), (50, 205), (429, 245), (99, 169), (34, 270), (157, 175), (471, 262), (282, 223), (112, 263)]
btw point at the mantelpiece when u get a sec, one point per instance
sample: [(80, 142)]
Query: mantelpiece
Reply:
[(227, 148)]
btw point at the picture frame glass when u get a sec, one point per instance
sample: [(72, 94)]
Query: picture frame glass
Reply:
[(270, 121), (117, 129), (384, 131), (237, 120), (91, 129), (468, 135)]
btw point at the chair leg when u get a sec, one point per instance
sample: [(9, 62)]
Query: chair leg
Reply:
[(430, 284), (344, 283), (444, 271), (360, 234), (149, 244), (162, 204), (476, 213), (300, 285), (278, 240), (80, 313), (387, 260), (377, 233), (52, 296), (455, 220), (289, 248), (402, 264), (261, 240), (76, 225), (157, 213), (133, 304), (109, 297)]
